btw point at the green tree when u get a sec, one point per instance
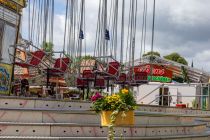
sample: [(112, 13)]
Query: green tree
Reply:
[(176, 58), (185, 75), (152, 58), (150, 53), (47, 47), (179, 59)]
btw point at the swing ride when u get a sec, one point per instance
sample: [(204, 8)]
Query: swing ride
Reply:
[(108, 69), (113, 61)]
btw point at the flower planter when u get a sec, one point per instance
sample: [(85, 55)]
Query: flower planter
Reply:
[(127, 120)]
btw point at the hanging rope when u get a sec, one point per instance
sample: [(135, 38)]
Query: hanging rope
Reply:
[(102, 33), (145, 25), (132, 35), (153, 28), (142, 30), (71, 29), (29, 19), (128, 34), (81, 28), (122, 32), (98, 33), (46, 7), (113, 50), (39, 25), (64, 38), (41, 21), (105, 30), (85, 30), (32, 21)]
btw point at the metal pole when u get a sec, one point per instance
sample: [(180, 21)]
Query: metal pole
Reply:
[(16, 41), (208, 107), (201, 98), (162, 95), (88, 89), (107, 85), (177, 98), (152, 45), (112, 89), (168, 98), (48, 76)]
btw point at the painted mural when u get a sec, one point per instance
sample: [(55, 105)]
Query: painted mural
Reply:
[(5, 78)]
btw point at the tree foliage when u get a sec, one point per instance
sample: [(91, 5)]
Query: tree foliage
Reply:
[(176, 58), (179, 59), (47, 46), (185, 75), (150, 53)]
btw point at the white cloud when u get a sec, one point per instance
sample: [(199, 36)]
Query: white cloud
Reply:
[(185, 12), (59, 26), (202, 60)]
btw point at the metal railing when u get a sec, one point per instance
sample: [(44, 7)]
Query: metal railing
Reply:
[(169, 96), (150, 92)]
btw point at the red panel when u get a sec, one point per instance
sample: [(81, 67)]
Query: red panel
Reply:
[(81, 83), (100, 83), (35, 60), (181, 105), (24, 65), (37, 57), (113, 68), (54, 71), (122, 77), (140, 76), (88, 74), (156, 70), (62, 64)]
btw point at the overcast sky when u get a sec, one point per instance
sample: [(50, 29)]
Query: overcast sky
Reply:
[(181, 26)]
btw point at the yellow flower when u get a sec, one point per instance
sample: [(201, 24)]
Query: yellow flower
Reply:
[(113, 99), (124, 91)]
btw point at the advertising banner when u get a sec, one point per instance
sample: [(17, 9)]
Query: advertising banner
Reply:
[(5, 78), (159, 73)]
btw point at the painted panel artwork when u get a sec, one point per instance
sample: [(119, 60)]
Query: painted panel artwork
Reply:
[(5, 78)]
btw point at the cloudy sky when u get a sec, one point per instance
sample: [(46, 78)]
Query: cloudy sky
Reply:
[(181, 26)]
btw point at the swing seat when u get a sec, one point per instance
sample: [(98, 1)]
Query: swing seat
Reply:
[(37, 57), (138, 79), (60, 66), (81, 83), (100, 83), (121, 79), (88, 74), (113, 68)]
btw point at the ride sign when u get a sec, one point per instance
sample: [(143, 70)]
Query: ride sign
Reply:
[(159, 73)]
